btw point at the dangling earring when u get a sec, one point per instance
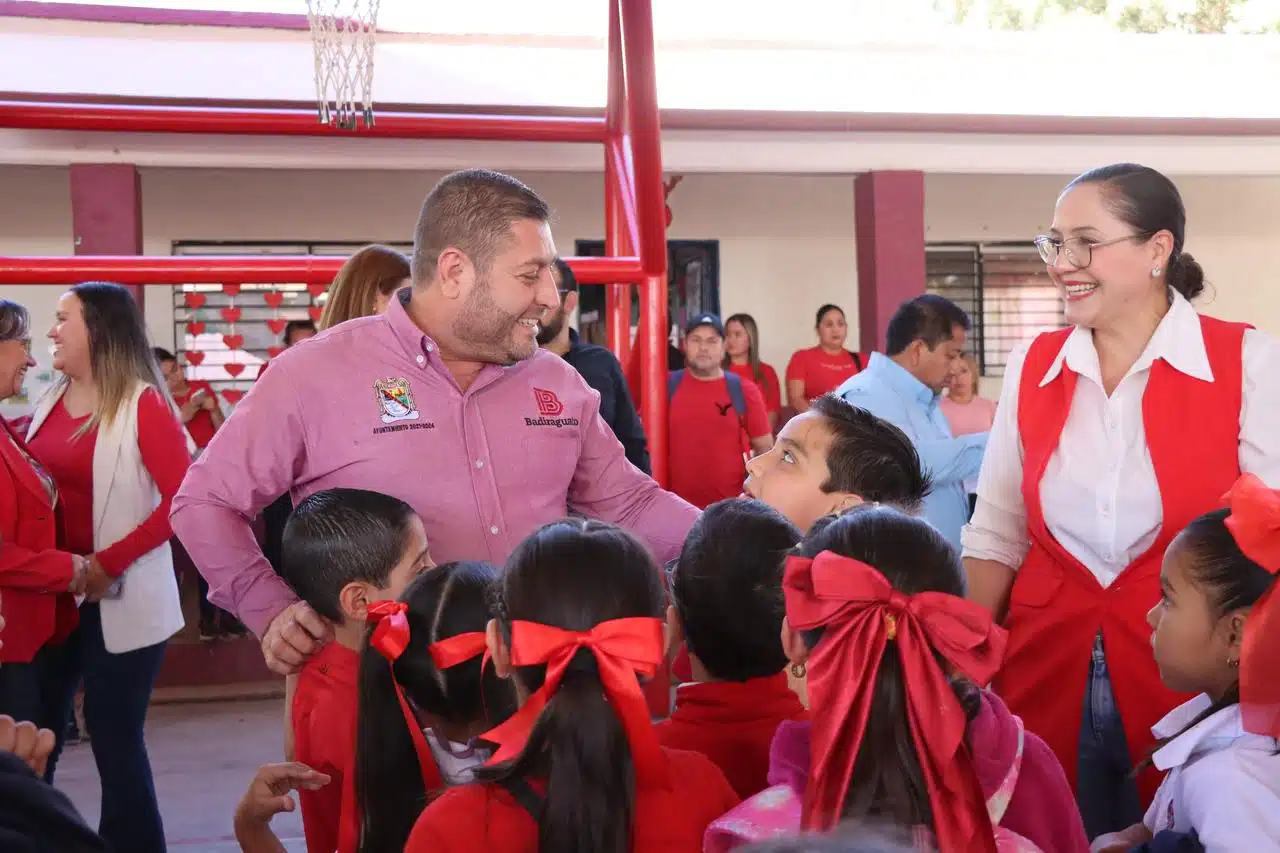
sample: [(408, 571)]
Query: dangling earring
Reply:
[(799, 670), (1234, 664), (1155, 272)]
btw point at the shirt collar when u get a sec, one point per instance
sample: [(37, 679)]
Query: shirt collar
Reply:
[(1178, 340), (411, 337), (1220, 730), (573, 338), (901, 380)]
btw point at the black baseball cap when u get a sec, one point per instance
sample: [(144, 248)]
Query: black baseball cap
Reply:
[(704, 319)]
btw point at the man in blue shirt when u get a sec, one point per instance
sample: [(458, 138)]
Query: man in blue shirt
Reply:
[(923, 348)]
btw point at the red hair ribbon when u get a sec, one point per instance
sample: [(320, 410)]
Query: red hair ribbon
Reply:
[(860, 611), (457, 649), (1254, 523), (391, 628), (622, 647)]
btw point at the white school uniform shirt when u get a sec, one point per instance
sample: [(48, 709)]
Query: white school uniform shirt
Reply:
[(1099, 494), (457, 762), (1223, 782)]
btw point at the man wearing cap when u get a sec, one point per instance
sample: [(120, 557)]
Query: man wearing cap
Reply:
[(716, 421)]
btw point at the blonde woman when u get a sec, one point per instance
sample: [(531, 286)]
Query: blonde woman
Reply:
[(742, 357), (108, 434), (365, 284), (965, 410)]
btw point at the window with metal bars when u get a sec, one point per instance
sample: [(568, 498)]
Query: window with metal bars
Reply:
[(225, 334), (1005, 291)]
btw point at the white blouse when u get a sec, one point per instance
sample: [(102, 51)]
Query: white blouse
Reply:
[(1099, 493), (1223, 782)]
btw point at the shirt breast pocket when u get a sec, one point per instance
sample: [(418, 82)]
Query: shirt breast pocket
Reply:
[(548, 460)]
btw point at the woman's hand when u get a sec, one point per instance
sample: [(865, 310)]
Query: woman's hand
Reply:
[(79, 574), (32, 745), (1122, 841), (97, 581)]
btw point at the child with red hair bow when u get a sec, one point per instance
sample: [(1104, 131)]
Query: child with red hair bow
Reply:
[(1217, 634), (578, 767), (900, 733)]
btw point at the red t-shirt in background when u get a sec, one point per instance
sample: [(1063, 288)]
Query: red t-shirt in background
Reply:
[(485, 817), (821, 371), (706, 439), (768, 384), (733, 723), (324, 728), (201, 426)]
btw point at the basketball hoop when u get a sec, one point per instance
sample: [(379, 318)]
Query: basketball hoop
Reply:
[(343, 33)]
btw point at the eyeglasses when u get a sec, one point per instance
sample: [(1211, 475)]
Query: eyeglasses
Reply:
[(1077, 250)]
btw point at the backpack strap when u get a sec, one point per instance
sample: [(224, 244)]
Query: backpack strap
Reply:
[(673, 382), (522, 792), (857, 360), (736, 395)]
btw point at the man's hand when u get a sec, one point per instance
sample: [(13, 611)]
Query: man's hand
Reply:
[(32, 745), (292, 637)]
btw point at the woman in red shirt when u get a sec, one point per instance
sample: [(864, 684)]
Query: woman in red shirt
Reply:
[(821, 369), (36, 578), (742, 356), (108, 433), (579, 768)]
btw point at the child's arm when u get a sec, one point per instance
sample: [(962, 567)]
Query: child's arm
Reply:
[(268, 796), (1122, 841)]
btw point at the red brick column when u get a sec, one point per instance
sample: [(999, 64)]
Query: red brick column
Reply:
[(106, 211), (889, 224)]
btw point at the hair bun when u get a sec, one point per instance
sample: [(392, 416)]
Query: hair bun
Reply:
[(1186, 276)]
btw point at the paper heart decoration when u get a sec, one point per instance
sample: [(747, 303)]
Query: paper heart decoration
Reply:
[(231, 314), (274, 298), (316, 312), (194, 358), (232, 396), (233, 369), (233, 341), (194, 300), (272, 352), (277, 325), (317, 289), (195, 328), (231, 289)]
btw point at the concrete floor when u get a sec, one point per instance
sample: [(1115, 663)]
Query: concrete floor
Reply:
[(203, 756)]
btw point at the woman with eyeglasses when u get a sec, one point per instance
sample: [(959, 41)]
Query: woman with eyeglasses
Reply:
[(1110, 436)]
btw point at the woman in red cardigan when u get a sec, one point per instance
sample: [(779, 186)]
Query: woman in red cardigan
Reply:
[(1110, 437), (36, 578)]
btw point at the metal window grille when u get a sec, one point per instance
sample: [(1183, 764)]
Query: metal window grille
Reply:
[(1005, 290)]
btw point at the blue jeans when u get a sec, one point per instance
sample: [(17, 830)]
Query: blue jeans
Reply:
[(117, 691), (1105, 788)]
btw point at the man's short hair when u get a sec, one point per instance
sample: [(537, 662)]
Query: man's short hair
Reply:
[(162, 355), (930, 318), (294, 326), (870, 457), (568, 282), (471, 210)]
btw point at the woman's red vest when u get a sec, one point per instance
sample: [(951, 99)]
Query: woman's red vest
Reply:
[(1057, 606)]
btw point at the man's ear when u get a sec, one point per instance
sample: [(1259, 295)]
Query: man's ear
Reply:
[(454, 272), (570, 303)]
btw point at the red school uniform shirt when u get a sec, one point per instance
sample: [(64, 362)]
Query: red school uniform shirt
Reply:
[(821, 371), (733, 724), (485, 817), (201, 426), (707, 439), (767, 383), (324, 729)]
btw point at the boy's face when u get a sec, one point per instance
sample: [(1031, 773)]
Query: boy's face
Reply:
[(416, 559), (789, 477)]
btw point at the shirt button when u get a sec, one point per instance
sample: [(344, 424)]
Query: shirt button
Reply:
[(493, 530), (422, 359), (431, 347), (479, 463)]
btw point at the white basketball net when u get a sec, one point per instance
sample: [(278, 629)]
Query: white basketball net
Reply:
[(343, 33)]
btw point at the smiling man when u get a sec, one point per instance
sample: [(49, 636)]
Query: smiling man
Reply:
[(445, 401)]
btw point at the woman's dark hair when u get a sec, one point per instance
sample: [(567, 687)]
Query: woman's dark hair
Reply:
[(824, 311), (914, 557), (449, 600), (727, 588), (1231, 581), (341, 536), (851, 838), (1149, 202), (748, 323), (574, 574)]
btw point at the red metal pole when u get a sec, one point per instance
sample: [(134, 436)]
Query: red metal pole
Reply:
[(617, 296), (24, 115), (259, 269)]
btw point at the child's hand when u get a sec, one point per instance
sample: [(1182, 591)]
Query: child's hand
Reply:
[(24, 740), (1121, 842), (268, 794)]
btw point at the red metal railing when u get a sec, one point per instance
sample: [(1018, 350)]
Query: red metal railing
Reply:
[(636, 227)]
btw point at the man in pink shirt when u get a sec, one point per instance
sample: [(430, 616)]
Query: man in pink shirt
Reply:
[(445, 402)]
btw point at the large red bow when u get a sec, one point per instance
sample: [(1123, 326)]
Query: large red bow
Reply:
[(391, 628), (1254, 523), (622, 647), (457, 649), (861, 612)]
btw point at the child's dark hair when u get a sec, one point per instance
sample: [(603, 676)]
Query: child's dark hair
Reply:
[(914, 557), (449, 600), (1230, 580), (871, 457), (727, 588), (340, 536), (574, 574), (858, 838)]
